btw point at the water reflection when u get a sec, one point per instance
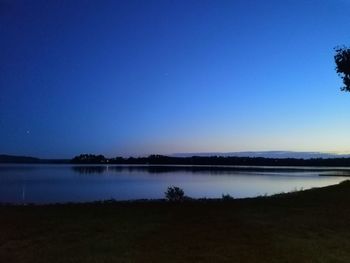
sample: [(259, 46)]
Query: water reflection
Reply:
[(89, 169), (214, 170), (4, 168), (82, 183)]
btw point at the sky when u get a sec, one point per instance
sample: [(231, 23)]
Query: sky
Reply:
[(142, 77)]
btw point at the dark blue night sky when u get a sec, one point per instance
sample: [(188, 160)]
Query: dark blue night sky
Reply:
[(141, 77)]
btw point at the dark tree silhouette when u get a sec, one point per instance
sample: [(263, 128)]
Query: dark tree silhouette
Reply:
[(174, 194), (342, 61), (89, 159), (153, 160)]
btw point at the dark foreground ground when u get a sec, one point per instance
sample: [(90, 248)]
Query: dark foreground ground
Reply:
[(308, 226)]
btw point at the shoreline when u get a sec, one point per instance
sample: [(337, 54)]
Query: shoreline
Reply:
[(187, 199), (303, 226)]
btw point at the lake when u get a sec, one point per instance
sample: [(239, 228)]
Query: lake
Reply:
[(81, 183)]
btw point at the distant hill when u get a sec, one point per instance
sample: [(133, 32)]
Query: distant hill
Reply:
[(17, 159), (5, 158), (268, 154)]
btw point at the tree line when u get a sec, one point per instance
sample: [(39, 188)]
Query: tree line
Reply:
[(210, 160)]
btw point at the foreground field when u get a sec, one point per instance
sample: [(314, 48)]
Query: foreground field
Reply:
[(308, 226)]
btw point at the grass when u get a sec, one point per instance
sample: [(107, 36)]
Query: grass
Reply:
[(306, 226)]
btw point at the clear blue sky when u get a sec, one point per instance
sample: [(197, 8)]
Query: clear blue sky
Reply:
[(140, 77)]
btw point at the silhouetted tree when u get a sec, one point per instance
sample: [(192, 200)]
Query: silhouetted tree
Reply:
[(342, 61), (88, 159), (174, 194)]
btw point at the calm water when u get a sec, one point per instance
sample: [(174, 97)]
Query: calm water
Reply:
[(77, 183)]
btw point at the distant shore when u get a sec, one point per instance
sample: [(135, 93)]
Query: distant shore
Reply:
[(194, 160)]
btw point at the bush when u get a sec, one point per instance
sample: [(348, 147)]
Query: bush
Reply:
[(174, 194), (226, 197)]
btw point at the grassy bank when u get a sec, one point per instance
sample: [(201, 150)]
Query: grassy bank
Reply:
[(307, 226)]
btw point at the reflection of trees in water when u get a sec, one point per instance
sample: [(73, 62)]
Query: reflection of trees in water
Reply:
[(99, 169), (158, 169), (155, 169), (342, 173), (89, 169), (12, 168), (336, 173)]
